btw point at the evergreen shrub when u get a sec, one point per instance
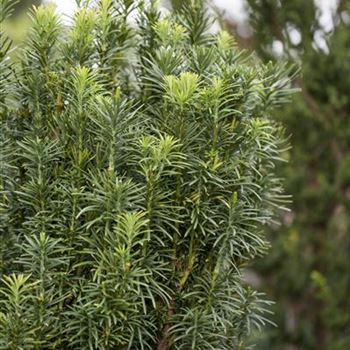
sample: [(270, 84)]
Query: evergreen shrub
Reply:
[(137, 172)]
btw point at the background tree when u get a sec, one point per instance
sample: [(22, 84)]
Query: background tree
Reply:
[(23, 5), (137, 173), (307, 272)]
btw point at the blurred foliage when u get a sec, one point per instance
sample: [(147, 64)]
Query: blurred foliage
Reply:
[(16, 26), (307, 271), (23, 5)]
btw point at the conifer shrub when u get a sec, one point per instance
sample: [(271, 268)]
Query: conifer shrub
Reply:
[(137, 172)]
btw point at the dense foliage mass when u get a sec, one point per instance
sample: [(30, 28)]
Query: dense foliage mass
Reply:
[(137, 171), (307, 272)]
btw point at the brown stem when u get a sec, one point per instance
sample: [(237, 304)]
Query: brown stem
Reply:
[(164, 340)]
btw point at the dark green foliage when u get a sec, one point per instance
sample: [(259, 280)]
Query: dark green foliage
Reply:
[(307, 272), (137, 173)]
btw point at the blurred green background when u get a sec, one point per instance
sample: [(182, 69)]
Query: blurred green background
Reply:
[(22, 5), (19, 23), (307, 272)]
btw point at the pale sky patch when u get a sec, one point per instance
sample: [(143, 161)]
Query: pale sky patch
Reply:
[(327, 9), (65, 7), (234, 10)]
